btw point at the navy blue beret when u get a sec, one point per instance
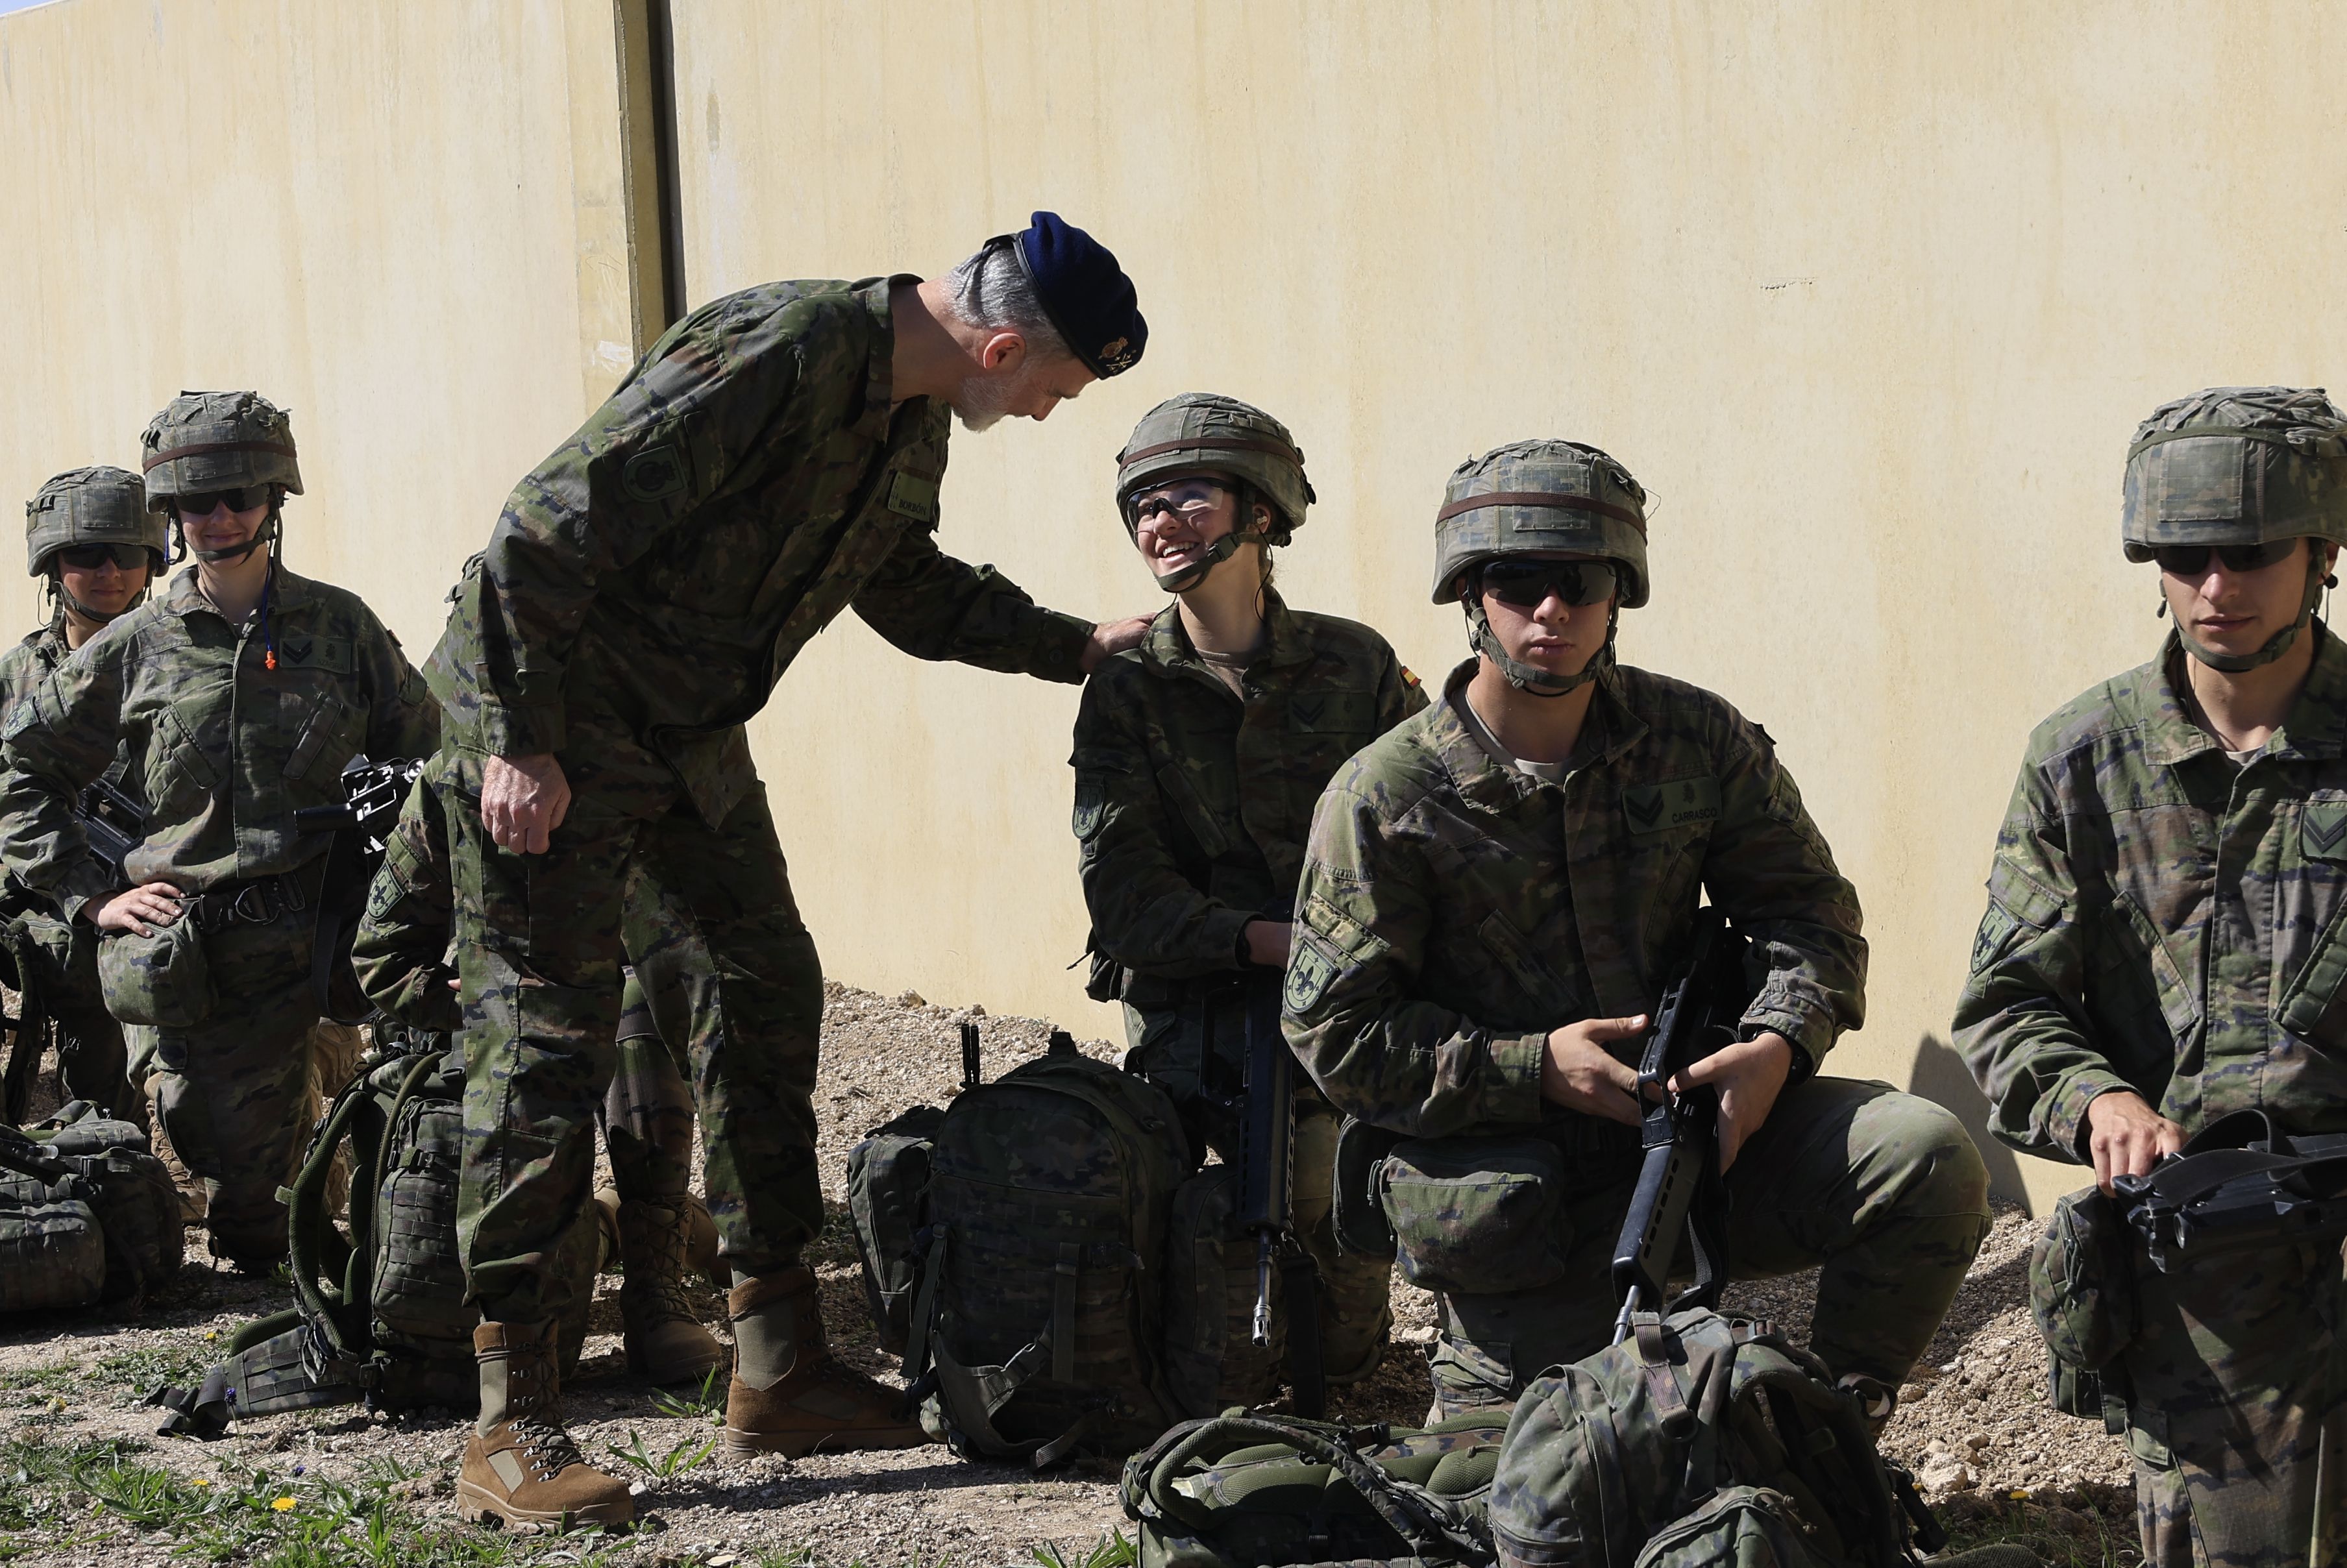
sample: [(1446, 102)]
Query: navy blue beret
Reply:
[(1085, 293)]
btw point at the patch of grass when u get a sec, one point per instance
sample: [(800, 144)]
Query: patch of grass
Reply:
[(682, 1459), (43, 1380), (175, 1359), (246, 1516), (2076, 1527), (1110, 1551), (707, 1403)]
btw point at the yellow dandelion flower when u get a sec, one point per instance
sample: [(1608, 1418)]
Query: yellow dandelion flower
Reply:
[(2018, 1494), (198, 1481), (282, 1504)]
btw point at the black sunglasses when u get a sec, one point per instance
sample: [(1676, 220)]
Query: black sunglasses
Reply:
[(2192, 560), (243, 498), (1526, 584), (89, 557)]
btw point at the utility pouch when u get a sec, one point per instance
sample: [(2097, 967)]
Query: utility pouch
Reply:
[(2082, 1282), (1475, 1217), (1358, 1216), (161, 980)]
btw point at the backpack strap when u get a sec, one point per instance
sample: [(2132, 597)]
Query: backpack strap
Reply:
[(30, 1037), (1428, 1524), (925, 1310)]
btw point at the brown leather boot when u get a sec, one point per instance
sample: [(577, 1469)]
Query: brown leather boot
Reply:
[(788, 1396), (520, 1466), (666, 1343)]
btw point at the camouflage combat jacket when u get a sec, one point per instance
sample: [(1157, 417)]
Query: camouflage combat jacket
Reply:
[(1192, 805), (651, 581), (2162, 921), (222, 749), (1453, 909), (29, 663), (400, 950)]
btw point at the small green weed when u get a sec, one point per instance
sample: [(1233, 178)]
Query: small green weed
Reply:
[(682, 1459), (706, 1403), (48, 1379), (145, 1368), (1110, 1551)]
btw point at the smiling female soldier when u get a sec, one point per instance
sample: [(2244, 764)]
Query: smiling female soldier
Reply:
[(1198, 757)]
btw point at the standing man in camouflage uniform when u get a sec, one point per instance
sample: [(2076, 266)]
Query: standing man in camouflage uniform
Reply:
[(402, 954), (1494, 894), (2166, 943), (772, 461), (1198, 756), (89, 533), (239, 694)]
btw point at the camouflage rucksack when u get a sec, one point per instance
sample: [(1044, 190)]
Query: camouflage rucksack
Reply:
[(1246, 1490), (86, 1213), (380, 1315), (1035, 1332), (888, 1203), (1704, 1439)]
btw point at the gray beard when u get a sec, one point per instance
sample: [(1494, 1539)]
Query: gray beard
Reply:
[(980, 403)]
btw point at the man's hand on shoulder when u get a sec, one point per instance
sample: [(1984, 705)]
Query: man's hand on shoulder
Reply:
[(1750, 1075), (1579, 1074), (1112, 637), (523, 800), (2125, 1136)]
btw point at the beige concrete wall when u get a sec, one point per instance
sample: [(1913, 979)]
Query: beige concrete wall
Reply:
[(403, 223), (1869, 296)]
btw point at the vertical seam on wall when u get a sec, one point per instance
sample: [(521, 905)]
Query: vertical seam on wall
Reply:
[(645, 33)]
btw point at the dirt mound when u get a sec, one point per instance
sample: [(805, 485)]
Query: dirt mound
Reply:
[(96, 1485)]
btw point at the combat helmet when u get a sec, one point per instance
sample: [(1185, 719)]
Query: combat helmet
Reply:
[(2239, 466), (205, 441), (1532, 496), (1202, 433), (95, 505)]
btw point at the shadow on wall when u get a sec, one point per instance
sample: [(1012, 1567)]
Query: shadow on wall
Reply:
[(1941, 1077)]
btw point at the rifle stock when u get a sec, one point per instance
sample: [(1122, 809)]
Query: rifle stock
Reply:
[(1266, 1184), (112, 822), (1679, 1195)]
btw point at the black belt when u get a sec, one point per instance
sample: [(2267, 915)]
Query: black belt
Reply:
[(254, 903)]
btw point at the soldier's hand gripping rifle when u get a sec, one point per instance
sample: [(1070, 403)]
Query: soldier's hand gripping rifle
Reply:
[(1266, 1166), (372, 794), (1679, 1191)]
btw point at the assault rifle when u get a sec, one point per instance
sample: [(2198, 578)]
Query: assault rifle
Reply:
[(372, 794), (114, 824), (1266, 1109), (1679, 1191)]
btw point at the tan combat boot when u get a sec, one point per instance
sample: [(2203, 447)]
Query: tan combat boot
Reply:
[(666, 1343), (520, 1466), (788, 1396)]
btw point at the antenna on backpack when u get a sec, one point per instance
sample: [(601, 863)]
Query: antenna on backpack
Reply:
[(969, 1054)]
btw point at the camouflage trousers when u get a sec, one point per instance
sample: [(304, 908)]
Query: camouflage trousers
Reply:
[(648, 1109), (540, 941), (92, 1060), (1170, 1047), (2238, 1418), (1884, 1193), (237, 1092)]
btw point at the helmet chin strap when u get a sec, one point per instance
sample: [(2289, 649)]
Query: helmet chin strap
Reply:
[(264, 535), (1183, 579), (2317, 577), (1529, 679)]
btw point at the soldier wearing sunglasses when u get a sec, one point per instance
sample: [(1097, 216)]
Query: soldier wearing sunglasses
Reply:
[(89, 534), (1198, 757), (1493, 895), (2166, 943), (237, 694)]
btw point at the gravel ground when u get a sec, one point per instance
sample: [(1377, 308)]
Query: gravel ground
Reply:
[(1974, 1424)]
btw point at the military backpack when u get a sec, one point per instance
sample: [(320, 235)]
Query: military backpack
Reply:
[(1247, 1490), (87, 1214), (380, 1314), (1705, 1439), (1027, 1232)]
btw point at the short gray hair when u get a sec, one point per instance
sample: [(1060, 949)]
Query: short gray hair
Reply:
[(992, 290)]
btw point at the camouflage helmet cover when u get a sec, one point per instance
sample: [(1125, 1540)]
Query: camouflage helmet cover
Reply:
[(97, 506), (2237, 466), (215, 441), (1203, 433), (1535, 496)]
